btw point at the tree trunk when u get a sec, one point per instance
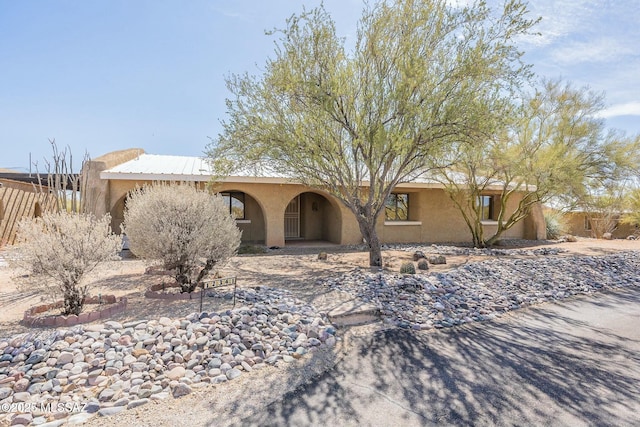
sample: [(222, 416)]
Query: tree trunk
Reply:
[(478, 234), (73, 300), (368, 230)]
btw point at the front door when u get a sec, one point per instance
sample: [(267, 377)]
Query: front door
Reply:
[(292, 219)]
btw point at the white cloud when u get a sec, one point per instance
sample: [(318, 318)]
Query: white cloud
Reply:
[(626, 109), (459, 3), (560, 18), (604, 49)]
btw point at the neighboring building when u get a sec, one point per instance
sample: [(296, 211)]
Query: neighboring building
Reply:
[(20, 200), (585, 224), (272, 210)]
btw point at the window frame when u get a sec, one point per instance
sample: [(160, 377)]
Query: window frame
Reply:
[(238, 195), (395, 207), (490, 206)]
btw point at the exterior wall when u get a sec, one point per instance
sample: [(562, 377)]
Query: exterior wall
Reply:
[(264, 210), (433, 217), (97, 197), (326, 223), (253, 225), (17, 201), (576, 226)]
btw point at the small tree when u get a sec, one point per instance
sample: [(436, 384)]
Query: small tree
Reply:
[(550, 147), (190, 230), (356, 123), (62, 247)]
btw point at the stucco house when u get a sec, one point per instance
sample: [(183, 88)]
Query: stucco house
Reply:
[(274, 210), (589, 224)]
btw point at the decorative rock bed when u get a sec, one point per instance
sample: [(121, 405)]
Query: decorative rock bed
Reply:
[(483, 290), (451, 250), (105, 368), (112, 305)]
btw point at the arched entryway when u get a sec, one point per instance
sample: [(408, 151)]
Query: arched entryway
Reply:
[(311, 216), (245, 208), (117, 214), (248, 214)]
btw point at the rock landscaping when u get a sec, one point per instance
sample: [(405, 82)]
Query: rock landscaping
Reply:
[(105, 368), (483, 290), (74, 373), (441, 250)]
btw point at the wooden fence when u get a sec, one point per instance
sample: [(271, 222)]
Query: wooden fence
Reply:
[(17, 201)]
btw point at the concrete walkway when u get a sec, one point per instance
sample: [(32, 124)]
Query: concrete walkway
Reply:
[(575, 363)]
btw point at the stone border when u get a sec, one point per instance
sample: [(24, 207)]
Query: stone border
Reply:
[(116, 305), (156, 292)]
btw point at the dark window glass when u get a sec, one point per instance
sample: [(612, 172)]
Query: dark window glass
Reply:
[(235, 202), (486, 207)]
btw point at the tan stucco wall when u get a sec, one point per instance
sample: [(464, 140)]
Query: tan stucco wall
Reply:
[(433, 217), (439, 220), (96, 191), (575, 222), (264, 208), (325, 223)]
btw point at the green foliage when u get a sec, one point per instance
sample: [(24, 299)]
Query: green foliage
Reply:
[(421, 73), (549, 145), (423, 264), (632, 216), (555, 223), (407, 268)]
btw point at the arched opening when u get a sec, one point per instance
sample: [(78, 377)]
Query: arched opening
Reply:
[(312, 217), (248, 214), (1, 210), (37, 210), (117, 214)]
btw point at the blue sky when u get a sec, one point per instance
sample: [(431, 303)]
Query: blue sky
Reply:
[(105, 75)]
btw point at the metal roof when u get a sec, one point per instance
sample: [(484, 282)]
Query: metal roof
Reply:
[(161, 164), (157, 167)]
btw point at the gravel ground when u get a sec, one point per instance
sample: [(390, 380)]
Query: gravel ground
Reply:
[(465, 290)]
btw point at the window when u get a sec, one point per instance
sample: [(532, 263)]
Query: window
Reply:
[(587, 223), (235, 202), (397, 207), (486, 207)]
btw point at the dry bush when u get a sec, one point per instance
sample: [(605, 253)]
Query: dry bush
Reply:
[(59, 249), (189, 230)]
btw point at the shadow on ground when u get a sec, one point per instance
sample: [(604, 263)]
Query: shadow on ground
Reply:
[(559, 365)]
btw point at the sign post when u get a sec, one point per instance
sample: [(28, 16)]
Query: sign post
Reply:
[(214, 283)]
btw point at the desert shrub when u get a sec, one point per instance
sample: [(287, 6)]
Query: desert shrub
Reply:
[(58, 249), (423, 264), (555, 224), (632, 217), (407, 268), (190, 231)]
